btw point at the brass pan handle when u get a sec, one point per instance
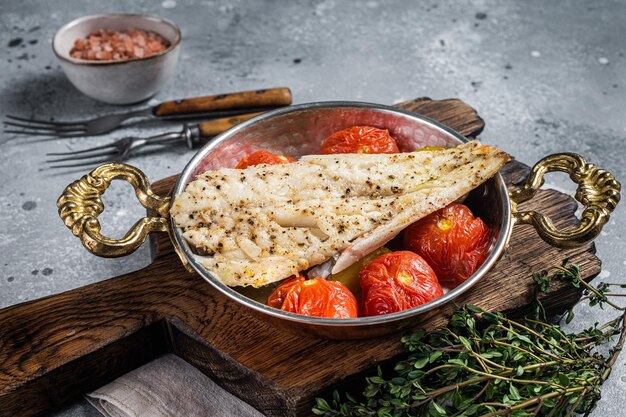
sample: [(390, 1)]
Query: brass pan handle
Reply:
[(81, 204), (598, 191)]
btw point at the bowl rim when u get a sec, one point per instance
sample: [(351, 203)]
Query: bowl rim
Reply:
[(183, 248), (84, 62)]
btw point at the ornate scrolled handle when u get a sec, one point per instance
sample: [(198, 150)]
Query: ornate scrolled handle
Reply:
[(598, 191), (81, 204)]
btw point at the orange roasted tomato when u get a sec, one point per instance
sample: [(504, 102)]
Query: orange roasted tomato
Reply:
[(314, 297), (360, 139), (396, 281), (452, 240), (263, 157)]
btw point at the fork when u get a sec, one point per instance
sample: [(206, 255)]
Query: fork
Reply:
[(121, 149), (214, 106)]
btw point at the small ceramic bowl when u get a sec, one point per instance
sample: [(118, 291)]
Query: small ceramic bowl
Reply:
[(118, 82)]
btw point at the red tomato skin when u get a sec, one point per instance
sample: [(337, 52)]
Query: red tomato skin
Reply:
[(360, 139), (397, 281), (452, 241), (277, 297), (263, 157), (315, 297)]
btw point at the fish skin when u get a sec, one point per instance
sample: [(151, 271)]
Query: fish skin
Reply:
[(268, 222)]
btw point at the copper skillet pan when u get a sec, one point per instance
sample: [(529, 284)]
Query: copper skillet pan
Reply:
[(299, 130)]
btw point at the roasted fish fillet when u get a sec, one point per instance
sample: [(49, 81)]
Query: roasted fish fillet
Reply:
[(262, 224)]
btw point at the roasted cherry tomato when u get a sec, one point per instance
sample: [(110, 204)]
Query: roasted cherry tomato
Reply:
[(350, 276), (263, 157), (452, 240), (277, 297), (314, 297), (360, 139), (397, 281)]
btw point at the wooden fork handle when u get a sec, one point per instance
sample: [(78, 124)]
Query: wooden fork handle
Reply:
[(273, 97), (214, 127)]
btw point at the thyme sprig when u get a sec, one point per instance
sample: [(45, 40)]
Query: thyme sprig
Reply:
[(487, 364)]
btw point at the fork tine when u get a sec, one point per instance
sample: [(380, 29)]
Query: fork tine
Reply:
[(52, 135), (45, 122), (82, 157), (95, 148), (81, 164), (46, 128), (26, 132)]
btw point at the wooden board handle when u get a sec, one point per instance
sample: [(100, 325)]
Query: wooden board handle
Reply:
[(55, 348), (214, 127), (273, 97), (81, 339)]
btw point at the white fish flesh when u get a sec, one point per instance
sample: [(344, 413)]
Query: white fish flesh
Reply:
[(262, 224)]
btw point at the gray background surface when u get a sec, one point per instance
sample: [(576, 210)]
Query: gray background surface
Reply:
[(546, 76)]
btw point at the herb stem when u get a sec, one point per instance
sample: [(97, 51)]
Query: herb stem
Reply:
[(534, 333), (574, 406), (529, 353), (504, 378), (533, 400), (593, 290)]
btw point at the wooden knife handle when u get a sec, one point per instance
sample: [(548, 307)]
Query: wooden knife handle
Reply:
[(273, 97), (214, 127)]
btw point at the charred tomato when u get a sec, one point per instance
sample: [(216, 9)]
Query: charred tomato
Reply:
[(263, 157), (397, 281), (314, 297), (360, 139), (452, 241)]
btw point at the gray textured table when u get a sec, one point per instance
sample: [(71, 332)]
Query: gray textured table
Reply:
[(546, 77)]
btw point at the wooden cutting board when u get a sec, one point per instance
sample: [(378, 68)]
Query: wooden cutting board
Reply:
[(56, 348)]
